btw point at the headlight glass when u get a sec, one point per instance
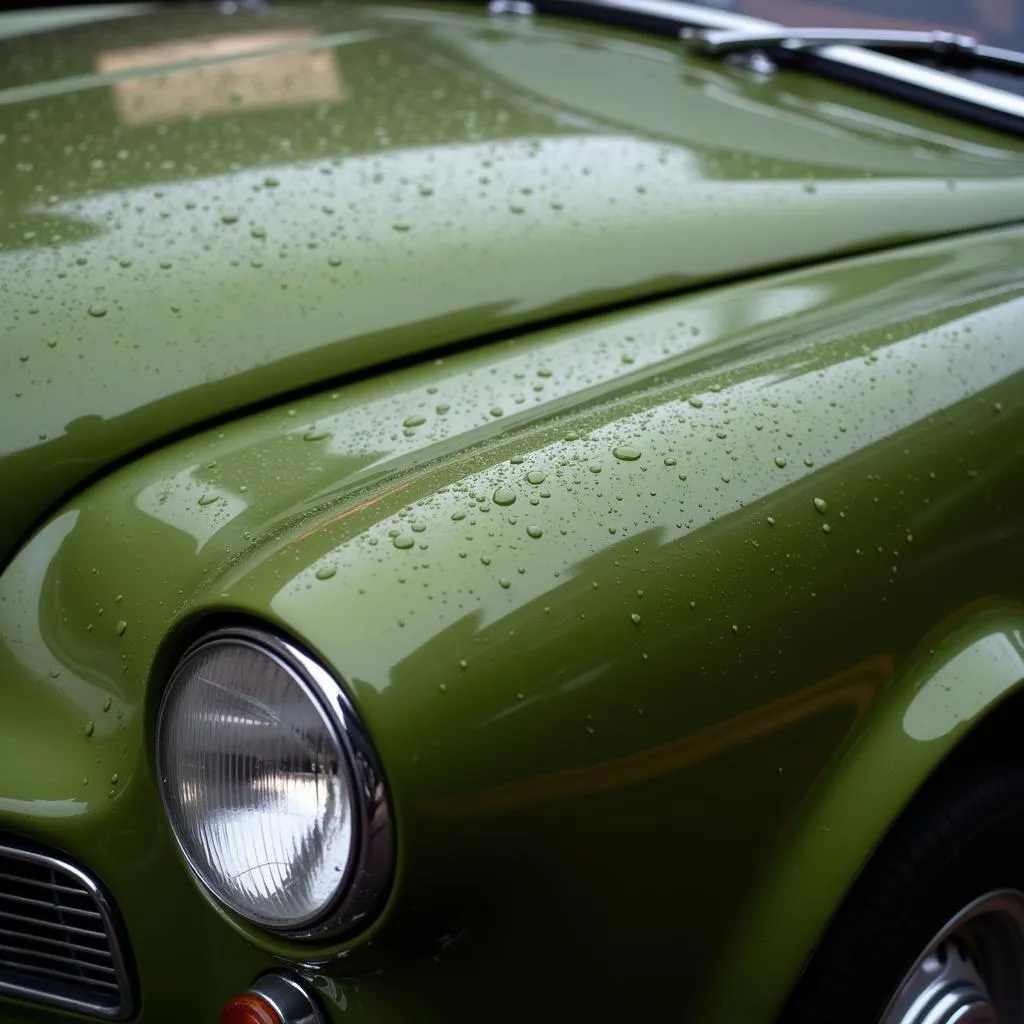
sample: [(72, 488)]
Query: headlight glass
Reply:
[(257, 783)]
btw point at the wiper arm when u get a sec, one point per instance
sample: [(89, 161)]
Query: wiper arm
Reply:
[(709, 30), (946, 46)]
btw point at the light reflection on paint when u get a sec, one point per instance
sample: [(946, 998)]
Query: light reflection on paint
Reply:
[(964, 687), (186, 503), (223, 78)]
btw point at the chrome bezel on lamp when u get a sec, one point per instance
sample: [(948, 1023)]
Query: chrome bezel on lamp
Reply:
[(368, 870)]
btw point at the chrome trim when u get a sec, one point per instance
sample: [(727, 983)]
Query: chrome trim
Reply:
[(368, 874), (665, 16), (521, 7), (914, 83), (717, 43), (288, 996), (112, 932), (926, 86)]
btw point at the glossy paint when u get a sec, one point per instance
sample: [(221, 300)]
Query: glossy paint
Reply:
[(632, 609), (201, 212)]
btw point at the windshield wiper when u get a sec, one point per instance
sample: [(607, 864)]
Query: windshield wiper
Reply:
[(869, 60), (947, 47)]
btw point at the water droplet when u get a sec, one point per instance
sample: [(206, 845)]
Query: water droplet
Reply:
[(325, 572), (418, 527), (458, 516), (258, 232), (229, 218), (780, 462), (401, 226), (497, 411), (207, 499), (414, 421), (334, 261), (90, 727), (97, 310), (821, 505), (534, 532), (825, 528), (485, 560), (696, 402), (771, 520), (504, 496), (442, 409), (669, 461), (635, 619), (316, 435), (625, 454), (271, 182), (113, 779), (535, 477), (463, 663), (106, 704), (121, 627), (403, 542), (505, 583)]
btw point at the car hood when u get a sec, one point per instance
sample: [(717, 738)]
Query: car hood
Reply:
[(202, 212)]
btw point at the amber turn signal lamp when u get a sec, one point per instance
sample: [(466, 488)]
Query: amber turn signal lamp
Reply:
[(273, 999), (250, 1009)]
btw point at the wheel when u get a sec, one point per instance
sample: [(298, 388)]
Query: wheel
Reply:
[(932, 932)]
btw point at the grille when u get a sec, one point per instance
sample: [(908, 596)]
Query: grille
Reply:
[(58, 940)]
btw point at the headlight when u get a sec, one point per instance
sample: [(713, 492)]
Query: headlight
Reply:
[(270, 787)]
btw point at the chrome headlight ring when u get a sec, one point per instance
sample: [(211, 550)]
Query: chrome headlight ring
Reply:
[(271, 786)]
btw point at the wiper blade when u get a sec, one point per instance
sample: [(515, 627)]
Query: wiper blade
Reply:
[(948, 47), (865, 65)]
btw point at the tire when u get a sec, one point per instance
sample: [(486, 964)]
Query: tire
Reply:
[(959, 844)]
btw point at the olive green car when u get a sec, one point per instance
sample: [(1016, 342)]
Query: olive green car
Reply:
[(506, 514)]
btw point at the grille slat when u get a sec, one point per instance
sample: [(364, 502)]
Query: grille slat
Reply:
[(96, 933), (36, 954), (7, 934), (50, 906), (52, 886), (49, 973), (58, 939)]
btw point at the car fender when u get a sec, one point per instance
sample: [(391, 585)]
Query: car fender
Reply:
[(959, 677)]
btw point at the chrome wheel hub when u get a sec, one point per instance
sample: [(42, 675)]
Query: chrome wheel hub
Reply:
[(972, 971)]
